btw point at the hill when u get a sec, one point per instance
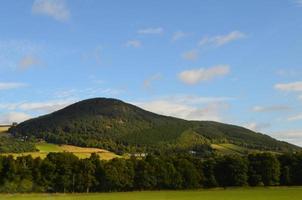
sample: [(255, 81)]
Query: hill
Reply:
[(121, 127)]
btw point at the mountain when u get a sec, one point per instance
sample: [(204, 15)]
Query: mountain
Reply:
[(121, 127)]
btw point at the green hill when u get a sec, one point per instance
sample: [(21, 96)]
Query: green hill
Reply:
[(121, 127)]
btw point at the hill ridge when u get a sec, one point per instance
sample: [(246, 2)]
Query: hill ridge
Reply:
[(122, 127)]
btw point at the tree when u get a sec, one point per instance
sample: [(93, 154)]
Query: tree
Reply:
[(208, 171), (99, 172), (145, 177), (65, 164), (264, 169), (188, 172), (85, 177), (231, 171), (48, 175), (119, 175)]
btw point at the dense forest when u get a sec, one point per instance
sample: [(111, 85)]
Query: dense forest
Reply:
[(122, 128), (15, 145), (64, 172)]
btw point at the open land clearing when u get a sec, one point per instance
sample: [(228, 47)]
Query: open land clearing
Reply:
[(81, 152)]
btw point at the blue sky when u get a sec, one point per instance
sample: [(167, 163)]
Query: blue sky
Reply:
[(229, 61)]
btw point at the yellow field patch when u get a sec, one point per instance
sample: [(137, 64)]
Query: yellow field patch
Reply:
[(81, 152), (76, 149), (4, 129)]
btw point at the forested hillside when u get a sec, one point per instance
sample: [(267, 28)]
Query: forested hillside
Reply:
[(121, 127)]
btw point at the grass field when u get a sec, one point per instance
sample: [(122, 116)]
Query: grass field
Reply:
[(291, 193), (81, 152), (231, 149)]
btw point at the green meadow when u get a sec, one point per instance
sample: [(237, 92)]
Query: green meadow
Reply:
[(274, 193)]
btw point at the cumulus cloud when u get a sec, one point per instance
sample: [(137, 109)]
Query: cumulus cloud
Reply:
[(56, 9), (257, 127), (190, 55), (209, 112), (195, 76), (178, 35), (290, 87), (273, 108), (188, 107), (27, 62), (157, 30), (11, 85), (148, 81), (133, 43), (220, 40), (9, 118)]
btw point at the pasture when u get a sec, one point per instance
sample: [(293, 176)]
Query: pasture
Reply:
[(81, 152), (229, 149), (276, 193)]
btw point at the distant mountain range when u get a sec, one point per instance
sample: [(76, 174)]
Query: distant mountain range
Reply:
[(121, 127)]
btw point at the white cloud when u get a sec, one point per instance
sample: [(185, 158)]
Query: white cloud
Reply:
[(157, 30), (273, 108), (295, 118), (9, 118), (178, 35), (148, 81), (197, 100), (290, 87), (28, 61), (287, 72), (44, 107), (291, 136), (190, 55), (222, 39), (11, 85), (53, 8), (195, 76), (133, 43), (257, 127), (210, 111)]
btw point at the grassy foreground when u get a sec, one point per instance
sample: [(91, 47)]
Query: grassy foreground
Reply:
[(277, 193)]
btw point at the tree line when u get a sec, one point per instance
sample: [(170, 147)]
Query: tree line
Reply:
[(64, 172)]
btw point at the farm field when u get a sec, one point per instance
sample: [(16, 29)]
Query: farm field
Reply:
[(4, 129), (277, 193), (227, 149), (81, 152)]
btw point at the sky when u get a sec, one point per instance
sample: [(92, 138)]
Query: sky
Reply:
[(237, 62)]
